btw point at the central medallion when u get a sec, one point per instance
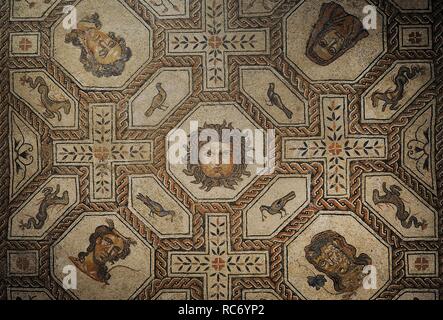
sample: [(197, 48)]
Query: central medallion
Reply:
[(215, 172), (212, 168)]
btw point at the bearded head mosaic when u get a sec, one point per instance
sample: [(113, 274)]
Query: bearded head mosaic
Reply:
[(333, 34), (92, 90), (104, 55)]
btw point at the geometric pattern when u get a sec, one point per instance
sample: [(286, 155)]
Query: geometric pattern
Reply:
[(219, 263), (335, 148), (352, 210), (102, 152)]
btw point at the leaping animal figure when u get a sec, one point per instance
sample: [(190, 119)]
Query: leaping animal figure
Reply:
[(392, 197), (52, 106), (392, 97), (278, 206), (158, 101), (274, 99), (155, 207), (51, 199)]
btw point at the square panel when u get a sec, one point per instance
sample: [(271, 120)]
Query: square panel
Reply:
[(415, 37), (24, 44)]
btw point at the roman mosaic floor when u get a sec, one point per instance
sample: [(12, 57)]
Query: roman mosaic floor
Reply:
[(92, 208)]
